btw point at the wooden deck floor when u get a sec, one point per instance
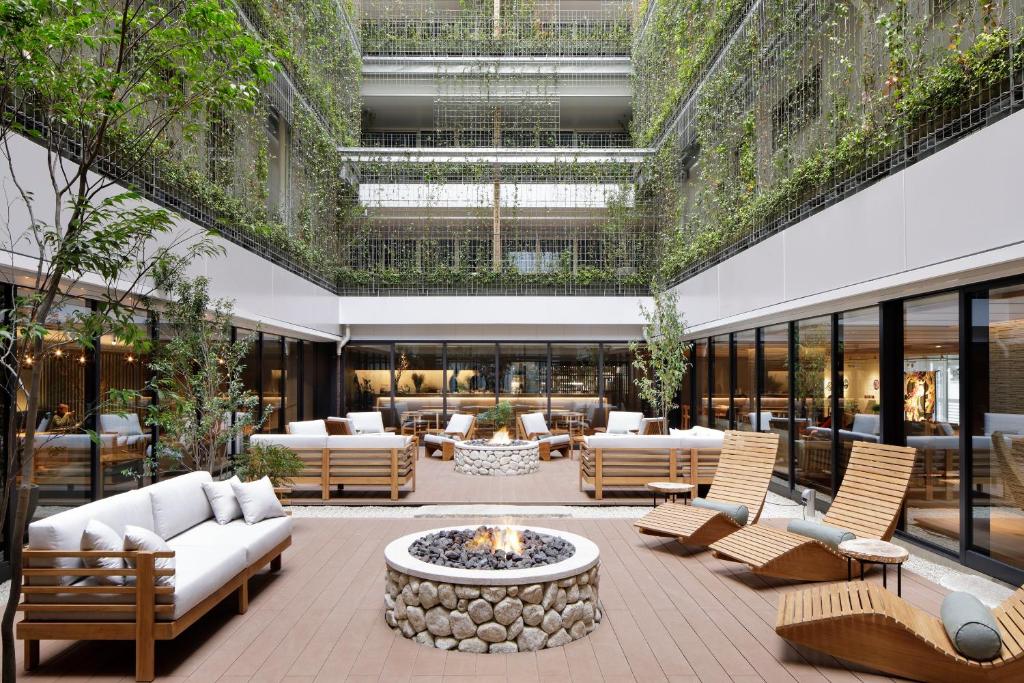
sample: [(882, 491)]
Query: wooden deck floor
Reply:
[(671, 615), (437, 482)]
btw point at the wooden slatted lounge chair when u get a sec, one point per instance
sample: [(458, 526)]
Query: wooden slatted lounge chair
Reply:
[(744, 471), (865, 624), (868, 504)]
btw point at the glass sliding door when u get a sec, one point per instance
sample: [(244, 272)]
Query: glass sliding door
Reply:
[(685, 411), (701, 367), (311, 381), (367, 381), (292, 376), (775, 392), (524, 377), (419, 379), (620, 391), (859, 400), (574, 384), (997, 425), (931, 417), (813, 400), (471, 378), (743, 397), (273, 384), (721, 383)]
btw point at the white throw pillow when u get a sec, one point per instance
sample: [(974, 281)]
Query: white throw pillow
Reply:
[(222, 499), (257, 500), (99, 536), (137, 538)]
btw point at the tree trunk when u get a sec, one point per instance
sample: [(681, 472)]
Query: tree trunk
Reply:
[(7, 630)]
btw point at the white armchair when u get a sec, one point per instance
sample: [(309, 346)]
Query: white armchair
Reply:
[(533, 427)]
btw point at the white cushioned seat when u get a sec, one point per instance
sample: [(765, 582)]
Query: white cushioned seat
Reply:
[(308, 427), (459, 423), (200, 570), (255, 539), (355, 441), (301, 441), (621, 422), (367, 423), (179, 503)]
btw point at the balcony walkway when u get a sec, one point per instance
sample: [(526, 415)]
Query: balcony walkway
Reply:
[(671, 615), (437, 482)]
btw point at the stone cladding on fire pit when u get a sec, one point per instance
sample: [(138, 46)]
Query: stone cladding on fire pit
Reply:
[(492, 611), (481, 457)]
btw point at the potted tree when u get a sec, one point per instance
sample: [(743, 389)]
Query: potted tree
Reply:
[(661, 360), (276, 462)]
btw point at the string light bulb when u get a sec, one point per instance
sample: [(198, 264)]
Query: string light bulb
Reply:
[(81, 359), (59, 353)]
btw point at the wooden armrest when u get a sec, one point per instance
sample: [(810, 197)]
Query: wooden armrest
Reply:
[(50, 554), (600, 429), (389, 429)]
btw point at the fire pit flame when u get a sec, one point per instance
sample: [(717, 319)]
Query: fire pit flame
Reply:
[(494, 539), (501, 438)]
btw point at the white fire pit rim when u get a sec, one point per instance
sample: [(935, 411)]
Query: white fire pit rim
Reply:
[(398, 557)]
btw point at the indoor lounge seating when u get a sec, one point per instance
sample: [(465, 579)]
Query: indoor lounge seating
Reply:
[(460, 427), (75, 594), (736, 496), (368, 459), (867, 505), (532, 427), (630, 460), (865, 624)]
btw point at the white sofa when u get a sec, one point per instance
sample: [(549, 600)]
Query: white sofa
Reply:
[(460, 426), (374, 459), (688, 456), (210, 562)]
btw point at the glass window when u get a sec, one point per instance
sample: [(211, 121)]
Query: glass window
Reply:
[(746, 381), (620, 392), (470, 378), (524, 377), (125, 437), (931, 416), (775, 388), (292, 375), (273, 384), (63, 449), (367, 381), (859, 400), (310, 381), (685, 412), (814, 404), (419, 376), (574, 384), (700, 377), (997, 425), (720, 389)]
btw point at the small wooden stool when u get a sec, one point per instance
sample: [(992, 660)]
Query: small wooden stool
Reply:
[(871, 551), (669, 489)]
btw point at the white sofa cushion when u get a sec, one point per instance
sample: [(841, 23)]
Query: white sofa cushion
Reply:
[(766, 420), (99, 536), (137, 538), (621, 422), (222, 500), (201, 571), (308, 428), (302, 441), (384, 440), (179, 503), (63, 531), (256, 539), (123, 425), (534, 423), (556, 440), (367, 423), (459, 423), (257, 500), (865, 423)]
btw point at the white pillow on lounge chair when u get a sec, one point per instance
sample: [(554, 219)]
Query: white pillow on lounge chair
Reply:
[(534, 423), (367, 423), (621, 422)]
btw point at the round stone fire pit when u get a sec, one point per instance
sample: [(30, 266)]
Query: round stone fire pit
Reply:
[(543, 594), (484, 457)]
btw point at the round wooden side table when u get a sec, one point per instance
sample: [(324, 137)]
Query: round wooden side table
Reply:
[(669, 489), (870, 551)]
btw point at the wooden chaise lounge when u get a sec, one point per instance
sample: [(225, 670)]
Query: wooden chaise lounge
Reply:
[(865, 624), (867, 504), (744, 471)]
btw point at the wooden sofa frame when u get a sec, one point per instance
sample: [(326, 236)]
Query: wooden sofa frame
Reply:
[(322, 467), (702, 464), (143, 627)]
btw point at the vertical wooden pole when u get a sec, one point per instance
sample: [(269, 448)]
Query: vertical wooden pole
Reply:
[(145, 597)]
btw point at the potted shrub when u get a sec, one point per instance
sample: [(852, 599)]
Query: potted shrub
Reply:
[(273, 461)]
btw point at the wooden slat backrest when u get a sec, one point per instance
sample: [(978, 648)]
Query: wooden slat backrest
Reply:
[(872, 491), (744, 470), (1010, 616)]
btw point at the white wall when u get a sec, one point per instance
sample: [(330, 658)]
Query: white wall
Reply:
[(950, 219), (265, 294)]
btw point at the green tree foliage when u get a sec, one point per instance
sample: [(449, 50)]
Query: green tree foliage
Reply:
[(661, 360)]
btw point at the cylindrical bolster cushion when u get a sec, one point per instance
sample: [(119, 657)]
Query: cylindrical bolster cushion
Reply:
[(739, 513), (829, 535), (971, 627)]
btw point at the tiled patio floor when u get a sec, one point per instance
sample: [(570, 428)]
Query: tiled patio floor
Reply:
[(671, 615)]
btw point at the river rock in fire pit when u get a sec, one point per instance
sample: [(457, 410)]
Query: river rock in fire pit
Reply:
[(472, 549)]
